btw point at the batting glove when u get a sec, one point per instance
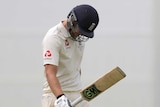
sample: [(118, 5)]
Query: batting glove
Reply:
[(62, 102)]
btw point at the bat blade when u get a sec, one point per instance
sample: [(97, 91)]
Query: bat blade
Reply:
[(100, 85)]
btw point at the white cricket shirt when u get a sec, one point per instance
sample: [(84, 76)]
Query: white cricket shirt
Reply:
[(60, 50)]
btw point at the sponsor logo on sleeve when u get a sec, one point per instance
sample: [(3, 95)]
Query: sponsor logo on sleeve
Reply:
[(47, 55)]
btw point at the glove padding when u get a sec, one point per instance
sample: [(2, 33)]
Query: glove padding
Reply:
[(62, 102)]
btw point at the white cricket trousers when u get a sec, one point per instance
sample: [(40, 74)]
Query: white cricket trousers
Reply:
[(48, 99)]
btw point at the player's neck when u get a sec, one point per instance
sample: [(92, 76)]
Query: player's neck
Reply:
[(65, 24)]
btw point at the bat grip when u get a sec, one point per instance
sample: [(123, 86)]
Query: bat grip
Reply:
[(76, 101)]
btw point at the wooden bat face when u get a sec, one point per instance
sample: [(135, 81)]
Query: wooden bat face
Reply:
[(102, 84)]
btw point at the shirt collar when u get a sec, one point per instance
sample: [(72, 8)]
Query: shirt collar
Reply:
[(63, 31)]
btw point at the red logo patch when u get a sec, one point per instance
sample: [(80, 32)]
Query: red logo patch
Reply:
[(48, 53), (66, 43)]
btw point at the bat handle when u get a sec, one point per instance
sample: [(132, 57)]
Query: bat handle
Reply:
[(76, 101)]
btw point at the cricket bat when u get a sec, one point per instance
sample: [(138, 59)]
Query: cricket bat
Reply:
[(100, 85)]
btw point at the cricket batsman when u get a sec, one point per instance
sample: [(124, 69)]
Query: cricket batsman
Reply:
[(63, 47)]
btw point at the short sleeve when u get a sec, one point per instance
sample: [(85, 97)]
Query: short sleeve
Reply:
[(51, 48)]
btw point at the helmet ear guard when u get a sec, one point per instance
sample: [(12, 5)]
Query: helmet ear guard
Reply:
[(71, 19)]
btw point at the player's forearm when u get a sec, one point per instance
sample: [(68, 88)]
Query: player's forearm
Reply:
[(53, 81), (54, 85)]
